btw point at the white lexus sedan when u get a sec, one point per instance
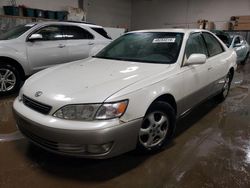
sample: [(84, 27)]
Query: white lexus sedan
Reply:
[(128, 96)]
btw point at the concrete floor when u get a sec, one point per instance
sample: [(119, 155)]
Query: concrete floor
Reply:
[(211, 149)]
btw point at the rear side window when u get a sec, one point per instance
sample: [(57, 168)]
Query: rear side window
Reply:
[(195, 45), (213, 45), (101, 31), (74, 33)]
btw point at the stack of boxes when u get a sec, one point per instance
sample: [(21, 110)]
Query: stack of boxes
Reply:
[(240, 23), (205, 24)]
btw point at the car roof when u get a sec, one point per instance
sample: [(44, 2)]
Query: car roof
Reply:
[(171, 30), (68, 23)]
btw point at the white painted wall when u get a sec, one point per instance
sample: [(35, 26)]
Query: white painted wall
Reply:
[(109, 13), (185, 13)]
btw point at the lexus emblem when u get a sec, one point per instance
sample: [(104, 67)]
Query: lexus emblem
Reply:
[(38, 94)]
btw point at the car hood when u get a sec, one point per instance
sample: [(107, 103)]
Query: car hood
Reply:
[(87, 81), (3, 42)]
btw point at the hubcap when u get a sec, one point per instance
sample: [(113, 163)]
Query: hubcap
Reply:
[(226, 87), (7, 80), (154, 129)]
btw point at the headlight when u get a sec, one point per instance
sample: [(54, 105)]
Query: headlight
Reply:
[(112, 110), (88, 112)]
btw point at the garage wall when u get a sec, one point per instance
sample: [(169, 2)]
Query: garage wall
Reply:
[(46, 5), (185, 13), (109, 13)]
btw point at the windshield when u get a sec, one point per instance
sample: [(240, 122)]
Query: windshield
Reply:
[(152, 47), (15, 32)]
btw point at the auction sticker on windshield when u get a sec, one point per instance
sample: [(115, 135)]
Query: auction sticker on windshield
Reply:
[(164, 40)]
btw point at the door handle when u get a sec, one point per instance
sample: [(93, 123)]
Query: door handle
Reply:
[(210, 68), (91, 43), (61, 46)]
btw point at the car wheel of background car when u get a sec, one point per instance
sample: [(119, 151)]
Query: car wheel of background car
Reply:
[(245, 60), (157, 127), (9, 79), (225, 91)]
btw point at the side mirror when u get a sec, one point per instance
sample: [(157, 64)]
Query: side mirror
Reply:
[(35, 37), (196, 59)]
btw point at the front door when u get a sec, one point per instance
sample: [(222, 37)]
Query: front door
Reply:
[(50, 50), (195, 77)]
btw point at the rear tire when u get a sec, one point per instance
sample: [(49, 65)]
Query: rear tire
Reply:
[(157, 127), (10, 79)]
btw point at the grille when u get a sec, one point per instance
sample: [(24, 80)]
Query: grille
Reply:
[(37, 106)]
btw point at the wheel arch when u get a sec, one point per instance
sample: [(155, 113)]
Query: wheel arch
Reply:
[(15, 63), (169, 98), (231, 71)]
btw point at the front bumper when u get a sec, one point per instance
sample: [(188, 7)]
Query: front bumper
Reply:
[(45, 131)]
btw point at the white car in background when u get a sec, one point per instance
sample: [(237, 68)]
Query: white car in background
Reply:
[(241, 47), (128, 96), (29, 48)]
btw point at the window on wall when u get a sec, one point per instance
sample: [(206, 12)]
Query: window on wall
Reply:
[(213, 45), (74, 32), (195, 45)]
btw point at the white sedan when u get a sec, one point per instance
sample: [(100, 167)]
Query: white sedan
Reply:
[(128, 96)]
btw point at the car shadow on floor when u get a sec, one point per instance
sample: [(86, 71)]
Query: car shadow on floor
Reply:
[(102, 170), (195, 115)]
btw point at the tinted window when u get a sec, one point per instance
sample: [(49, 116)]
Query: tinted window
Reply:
[(237, 41), (152, 47), (51, 33), (74, 32), (195, 45), (101, 31), (213, 45), (225, 39)]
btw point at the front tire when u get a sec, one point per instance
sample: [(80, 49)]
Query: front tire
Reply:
[(10, 79), (157, 127)]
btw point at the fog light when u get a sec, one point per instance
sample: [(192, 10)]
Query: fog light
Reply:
[(99, 149)]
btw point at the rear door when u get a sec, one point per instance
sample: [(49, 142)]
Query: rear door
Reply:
[(79, 42), (48, 51), (217, 62)]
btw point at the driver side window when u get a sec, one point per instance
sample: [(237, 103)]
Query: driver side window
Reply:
[(236, 41), (50, 33), (195, 45)]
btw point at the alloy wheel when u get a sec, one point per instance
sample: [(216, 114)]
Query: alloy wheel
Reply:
[(7, 80), (154, 129)]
